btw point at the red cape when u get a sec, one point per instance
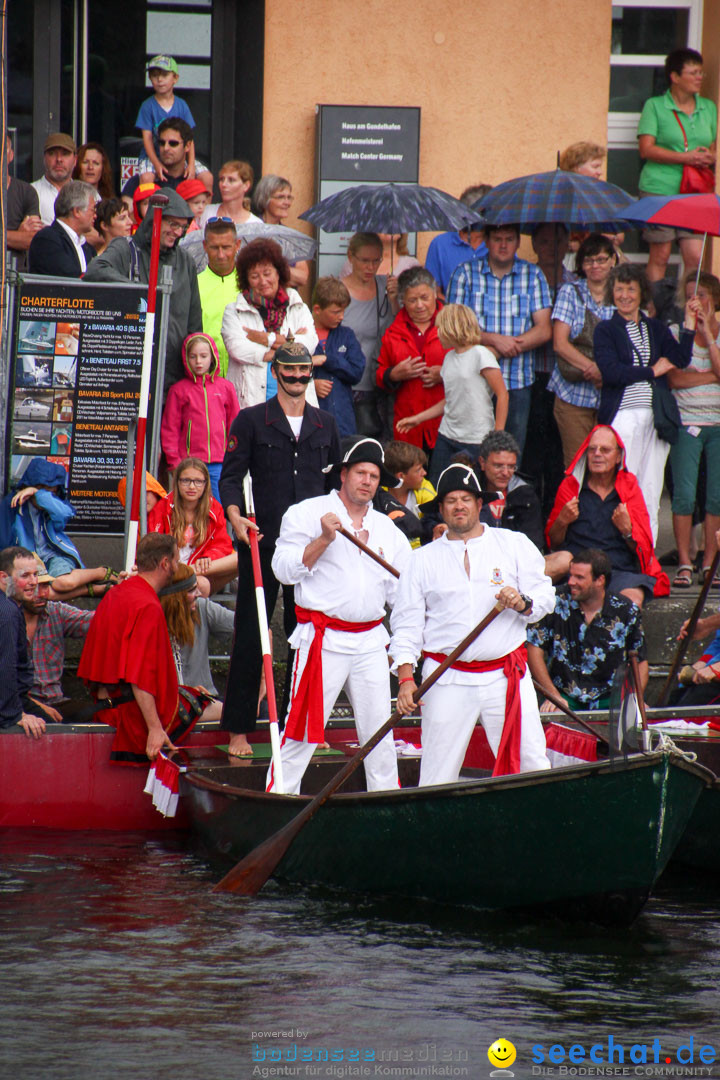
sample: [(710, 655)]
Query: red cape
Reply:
[(629, 491), (128, 642)]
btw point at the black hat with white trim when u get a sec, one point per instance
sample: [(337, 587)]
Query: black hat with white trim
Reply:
[(459, 477), (356, 449)]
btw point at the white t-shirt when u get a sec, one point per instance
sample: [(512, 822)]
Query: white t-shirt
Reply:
[(469, 412)]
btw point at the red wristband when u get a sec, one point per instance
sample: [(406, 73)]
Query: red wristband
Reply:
[(408, 679)]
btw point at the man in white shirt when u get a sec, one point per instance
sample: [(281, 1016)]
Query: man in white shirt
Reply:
[(61, 248), (340, 599), (60, 155), (447, 588)]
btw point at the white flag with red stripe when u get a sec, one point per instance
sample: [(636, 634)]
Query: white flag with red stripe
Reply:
[(163, 783)]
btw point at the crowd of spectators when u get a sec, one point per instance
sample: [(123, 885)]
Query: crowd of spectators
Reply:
[(554, 377)]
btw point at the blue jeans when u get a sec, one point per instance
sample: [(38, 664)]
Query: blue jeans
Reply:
[(215, 468), (519, 414), (445, 450)]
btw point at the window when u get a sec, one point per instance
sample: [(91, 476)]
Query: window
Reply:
[(642, 36)]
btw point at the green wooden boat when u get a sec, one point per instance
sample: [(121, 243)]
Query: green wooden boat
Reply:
[(585, 840)]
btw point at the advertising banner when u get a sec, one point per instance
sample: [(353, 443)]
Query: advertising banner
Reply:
[(77, 364)]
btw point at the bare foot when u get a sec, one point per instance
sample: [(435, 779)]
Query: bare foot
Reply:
[(239, 746)]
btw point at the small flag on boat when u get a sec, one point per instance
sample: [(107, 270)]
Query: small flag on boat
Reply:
[(566, 746), (163, 783)]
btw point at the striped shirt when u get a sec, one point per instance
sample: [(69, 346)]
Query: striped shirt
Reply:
[(570, 308), (638, 395), (503, 305), (699, 405)]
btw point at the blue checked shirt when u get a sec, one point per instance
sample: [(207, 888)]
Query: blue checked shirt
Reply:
[(570, 308), (503, 306)]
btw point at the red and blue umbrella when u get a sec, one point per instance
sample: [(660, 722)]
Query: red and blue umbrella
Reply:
[(698, 212), (579, 202)]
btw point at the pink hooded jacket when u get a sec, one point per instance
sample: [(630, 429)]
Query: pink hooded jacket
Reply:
[(198, 412)]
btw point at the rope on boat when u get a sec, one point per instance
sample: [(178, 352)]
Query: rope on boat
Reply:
[(666, 744)]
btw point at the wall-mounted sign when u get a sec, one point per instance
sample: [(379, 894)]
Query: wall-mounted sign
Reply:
[(362, 144)]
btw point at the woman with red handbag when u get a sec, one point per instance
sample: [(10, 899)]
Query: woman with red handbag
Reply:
[(676, 139)]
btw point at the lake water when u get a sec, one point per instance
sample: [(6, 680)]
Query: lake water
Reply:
[(117, 962)]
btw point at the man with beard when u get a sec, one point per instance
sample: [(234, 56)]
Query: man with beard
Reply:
[(576, 649), (59, 157), (340, 599), (47, 624), (18, 575), (128, 659), (446, 589), (285, 444)]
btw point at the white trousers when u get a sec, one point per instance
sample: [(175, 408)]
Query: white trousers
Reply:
[(365, 677), (645, 455), (449, 715)]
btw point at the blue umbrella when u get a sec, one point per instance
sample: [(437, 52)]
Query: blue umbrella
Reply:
[(580, 202), (390, 208)]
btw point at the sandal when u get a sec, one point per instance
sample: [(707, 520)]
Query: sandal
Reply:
[(110, 578), (702, 578), (683, 578)]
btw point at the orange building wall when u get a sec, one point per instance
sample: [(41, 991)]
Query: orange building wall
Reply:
[(502, 87)]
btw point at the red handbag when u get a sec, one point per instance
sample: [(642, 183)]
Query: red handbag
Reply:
[(696, 179)]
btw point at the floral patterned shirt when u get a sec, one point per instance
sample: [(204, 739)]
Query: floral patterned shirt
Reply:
[(581, 657)]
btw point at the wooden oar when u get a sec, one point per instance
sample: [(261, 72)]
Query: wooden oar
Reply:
[(249, 876), (369, 551), (562, 705), (694, 618)]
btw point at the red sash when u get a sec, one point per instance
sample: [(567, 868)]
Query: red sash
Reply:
[(306, 709), (513, 667)]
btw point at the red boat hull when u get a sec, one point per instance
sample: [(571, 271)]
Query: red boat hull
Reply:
[(66, 781)]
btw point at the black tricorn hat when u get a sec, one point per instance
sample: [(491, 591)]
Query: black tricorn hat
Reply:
[(357, 448), (459, 477)]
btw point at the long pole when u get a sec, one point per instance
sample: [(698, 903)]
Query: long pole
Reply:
[(264, 638), (694, 618), (249, 875), (157, 202)]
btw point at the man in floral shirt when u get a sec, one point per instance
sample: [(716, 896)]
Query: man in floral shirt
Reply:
[(577, 649)]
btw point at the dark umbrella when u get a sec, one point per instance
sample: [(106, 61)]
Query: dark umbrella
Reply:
[(390, 208), (579, 202)]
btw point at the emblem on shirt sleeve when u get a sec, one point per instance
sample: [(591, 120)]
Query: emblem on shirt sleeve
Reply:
[(232, 444), (496, 578)]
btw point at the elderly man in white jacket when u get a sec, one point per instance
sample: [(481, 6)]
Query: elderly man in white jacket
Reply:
[(265, 315)]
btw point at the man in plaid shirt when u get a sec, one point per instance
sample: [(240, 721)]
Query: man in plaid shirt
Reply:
[(511, 299), (47, 624)]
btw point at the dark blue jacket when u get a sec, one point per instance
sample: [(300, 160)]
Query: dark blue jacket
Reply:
[(283, 470), (16, 670), (613, 354), (344, 367), (52, 251)]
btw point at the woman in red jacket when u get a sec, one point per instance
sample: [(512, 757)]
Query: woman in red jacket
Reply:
[(411, 356), (196, 520)]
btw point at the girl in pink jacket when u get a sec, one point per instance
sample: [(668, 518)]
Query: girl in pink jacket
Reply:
[(199, 410)]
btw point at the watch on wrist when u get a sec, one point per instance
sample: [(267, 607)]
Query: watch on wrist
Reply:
[(528, 604)]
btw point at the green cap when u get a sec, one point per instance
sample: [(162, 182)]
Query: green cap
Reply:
[(163, 63)]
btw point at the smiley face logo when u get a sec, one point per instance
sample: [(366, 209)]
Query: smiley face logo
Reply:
[(502, 1054)]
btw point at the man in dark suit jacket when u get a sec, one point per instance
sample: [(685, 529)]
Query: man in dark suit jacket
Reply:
[(60, 249)]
